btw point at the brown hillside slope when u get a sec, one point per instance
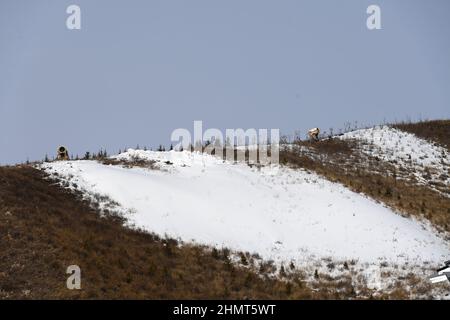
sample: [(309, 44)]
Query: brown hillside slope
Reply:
[(44, 229), (435, 130), (340, 161)]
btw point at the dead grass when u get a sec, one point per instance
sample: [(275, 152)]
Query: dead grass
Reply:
[(436, 130), (44, 229), (141, 163), (340, 161)]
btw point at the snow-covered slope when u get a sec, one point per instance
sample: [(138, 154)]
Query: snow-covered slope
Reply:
[(428, 162), (284, 214)]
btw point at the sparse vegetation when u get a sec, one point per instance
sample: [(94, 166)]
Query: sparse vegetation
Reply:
[(135, 162), (44, 229), (437, 130), (340, 161)]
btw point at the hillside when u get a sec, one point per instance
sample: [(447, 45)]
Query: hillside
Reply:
[(44, 229), (366, 214), (437, 131), (399, 169)]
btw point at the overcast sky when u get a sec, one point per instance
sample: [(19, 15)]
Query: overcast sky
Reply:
[(137, 70)]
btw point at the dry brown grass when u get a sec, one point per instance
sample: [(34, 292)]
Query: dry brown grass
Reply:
[(340, 161), (141, 163), (44, 229), (436, 130)]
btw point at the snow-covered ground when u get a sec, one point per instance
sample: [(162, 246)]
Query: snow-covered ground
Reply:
[(428, 162), (285, 215)]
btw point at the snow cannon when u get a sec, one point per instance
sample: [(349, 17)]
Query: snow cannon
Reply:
[(314, 134), (443, 274), (62, 153)]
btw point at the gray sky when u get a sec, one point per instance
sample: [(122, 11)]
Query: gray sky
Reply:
[(139, 69)]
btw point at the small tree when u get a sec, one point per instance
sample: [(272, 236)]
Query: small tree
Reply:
[(161, 148)]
